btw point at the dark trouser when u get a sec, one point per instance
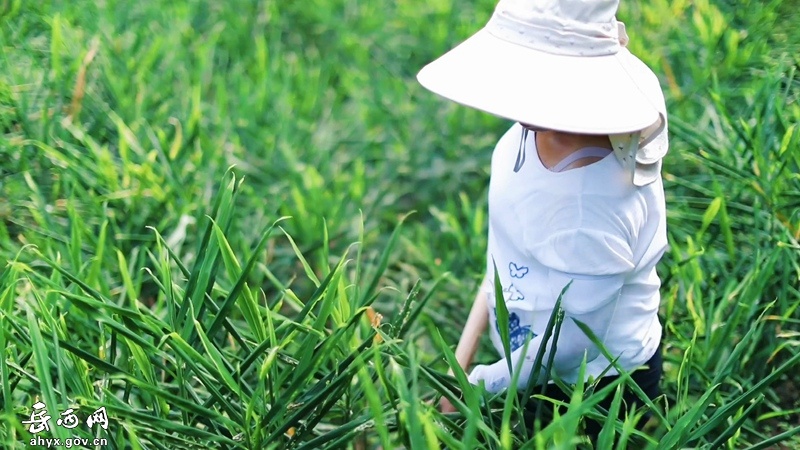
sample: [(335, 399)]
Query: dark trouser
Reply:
[(647, 379)]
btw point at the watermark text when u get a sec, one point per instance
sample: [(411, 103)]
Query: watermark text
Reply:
[(77, 442)]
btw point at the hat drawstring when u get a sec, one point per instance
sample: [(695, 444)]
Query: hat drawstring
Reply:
[(521, 151)]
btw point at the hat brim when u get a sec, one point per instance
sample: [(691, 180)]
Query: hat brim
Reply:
[(592, 94)]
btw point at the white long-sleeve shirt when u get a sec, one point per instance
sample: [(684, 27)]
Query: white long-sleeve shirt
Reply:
[(588, 225)]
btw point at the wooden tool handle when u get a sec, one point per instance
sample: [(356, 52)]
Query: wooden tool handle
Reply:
[(470, 338), (473, 329)]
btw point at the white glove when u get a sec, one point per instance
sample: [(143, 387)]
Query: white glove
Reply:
[(495, 377)]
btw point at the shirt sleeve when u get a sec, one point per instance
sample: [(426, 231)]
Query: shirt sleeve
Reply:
[(589, 267), (573, 347)]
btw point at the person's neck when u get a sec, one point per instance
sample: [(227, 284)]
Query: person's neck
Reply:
[(553, 146)]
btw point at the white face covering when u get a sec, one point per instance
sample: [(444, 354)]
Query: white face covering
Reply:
[(640, 152), (625, 148)]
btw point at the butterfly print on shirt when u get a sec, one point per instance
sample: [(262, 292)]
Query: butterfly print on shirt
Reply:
[(517, 271), (517, 334), (512, 294)]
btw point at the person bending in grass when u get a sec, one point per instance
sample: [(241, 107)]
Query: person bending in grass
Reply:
[(576, 194)]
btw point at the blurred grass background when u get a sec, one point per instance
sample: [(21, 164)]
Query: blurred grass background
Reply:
[(119, 122)]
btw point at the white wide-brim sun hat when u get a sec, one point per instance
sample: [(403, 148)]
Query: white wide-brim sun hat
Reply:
[(560, 65)]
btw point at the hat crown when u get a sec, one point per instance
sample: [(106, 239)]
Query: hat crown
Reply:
[(562, 27), (584, 11)]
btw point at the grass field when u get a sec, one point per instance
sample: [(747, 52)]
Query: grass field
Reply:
[(242, 224)]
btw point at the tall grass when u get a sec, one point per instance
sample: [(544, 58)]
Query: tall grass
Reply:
[(243, 225)]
